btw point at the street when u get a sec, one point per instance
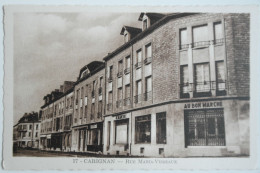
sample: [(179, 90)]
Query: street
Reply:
[(38, 153)]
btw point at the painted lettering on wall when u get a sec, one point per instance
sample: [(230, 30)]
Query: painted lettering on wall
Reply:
[(203, 105)]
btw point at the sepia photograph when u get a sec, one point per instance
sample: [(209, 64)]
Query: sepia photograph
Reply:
[(105, 86)]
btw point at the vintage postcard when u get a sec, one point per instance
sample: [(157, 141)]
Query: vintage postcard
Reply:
[(91, 87)]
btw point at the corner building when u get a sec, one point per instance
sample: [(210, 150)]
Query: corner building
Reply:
[(179, 87), (87, 130)]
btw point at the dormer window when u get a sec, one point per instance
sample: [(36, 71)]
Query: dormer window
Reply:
[(84, 73), (145, 24), (126, 38)]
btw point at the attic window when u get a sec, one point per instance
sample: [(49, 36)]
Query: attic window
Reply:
[(84, 73), (126, 38), (145, 24)]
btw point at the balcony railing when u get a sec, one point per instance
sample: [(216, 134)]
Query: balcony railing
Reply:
[(148, 60), (100, 90), (219, 41), (148, 96), (120, 74), (138, 65), (138, 98), (127, 70), (109, 106), (201, 44), (202, 89), (67, 127), (119, 103), (110, 79), (127, 101), (184, 46)]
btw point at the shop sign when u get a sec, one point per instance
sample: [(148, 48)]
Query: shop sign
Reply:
[(48, 136), (199, 105), (93, 126), (119, 117)]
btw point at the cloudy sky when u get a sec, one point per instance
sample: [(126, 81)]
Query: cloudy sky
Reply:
[(50, 48)]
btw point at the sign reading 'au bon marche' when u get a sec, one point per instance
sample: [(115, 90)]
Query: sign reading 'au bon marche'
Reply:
[(197, 105)]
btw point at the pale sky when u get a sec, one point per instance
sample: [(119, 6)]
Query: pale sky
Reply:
[(50, 48)]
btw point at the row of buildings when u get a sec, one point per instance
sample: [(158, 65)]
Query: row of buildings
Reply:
[(177, 87), (26, 133)]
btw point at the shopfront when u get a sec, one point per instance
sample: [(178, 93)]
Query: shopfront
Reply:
[(117, 134)]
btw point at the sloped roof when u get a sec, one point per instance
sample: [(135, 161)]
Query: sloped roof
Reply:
[(131, 30), (151, 16)]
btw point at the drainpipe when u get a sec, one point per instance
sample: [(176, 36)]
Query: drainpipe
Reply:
[(132, 103)]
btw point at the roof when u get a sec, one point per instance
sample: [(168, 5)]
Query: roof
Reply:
[(93, 68), (151, 16), (141, 35), (29, 117), (132, 30)]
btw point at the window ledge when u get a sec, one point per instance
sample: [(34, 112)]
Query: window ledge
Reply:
[(210, 147)]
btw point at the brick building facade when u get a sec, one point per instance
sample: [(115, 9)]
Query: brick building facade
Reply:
[(177, 87)]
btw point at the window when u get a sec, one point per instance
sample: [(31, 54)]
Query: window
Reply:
[(218, 31), (82, 92), (37, 126), (126, 38), (121, 132), (30, 128), (127, 62), (86, 90), (161, 128), (77, 96), (100, 106), (138, 91), (204, 127), (120, 66), (148, 88), (24, 127), (200, 33), (127, 95), (86, 111), (143, 129), (145, 24), (184, 86), (139, 56), (183, 39), (119, 97), (110, 73), (29, 134), (93, 137), (148, 51), (92, 111), (220, 78), (108, 133), (101, 82), (202, 79), (81, 112)]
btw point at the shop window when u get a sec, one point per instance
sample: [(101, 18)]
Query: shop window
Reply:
[(93, 137), (204, 127), (161, 128), (143, 129), (121, 129), (202, 80), (108, 133), (220, 78)]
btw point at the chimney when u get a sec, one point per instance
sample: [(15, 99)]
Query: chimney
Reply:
[(61, 88)]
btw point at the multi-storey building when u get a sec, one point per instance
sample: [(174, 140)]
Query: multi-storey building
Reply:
[(55, 116), (179, 87), (27, 131), (88, 109)]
